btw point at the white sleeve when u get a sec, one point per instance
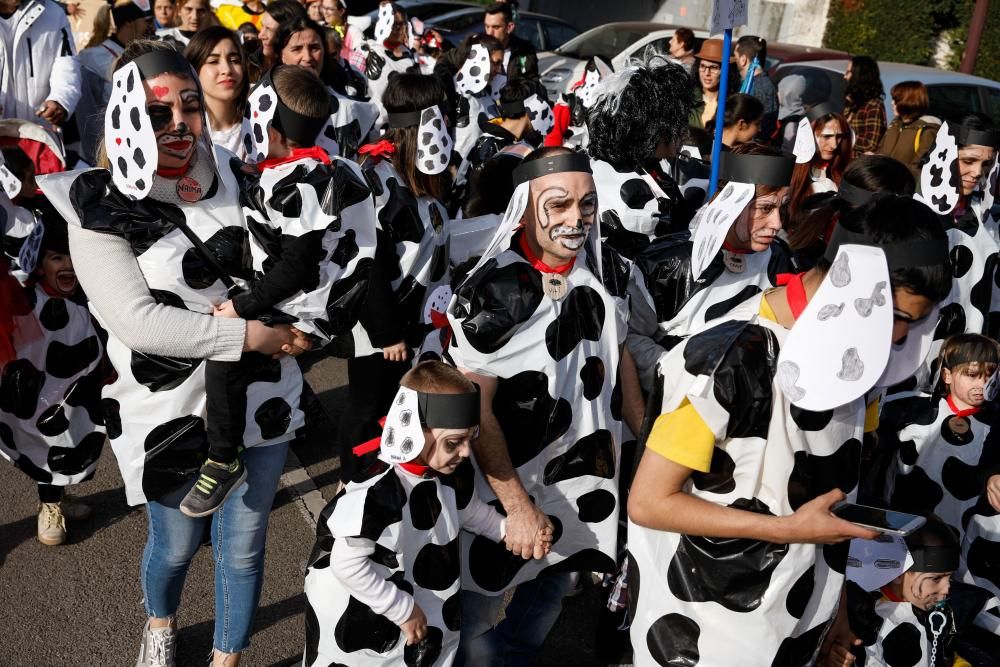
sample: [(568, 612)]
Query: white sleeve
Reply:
[(64, 79), (482, 519), (351, 564)]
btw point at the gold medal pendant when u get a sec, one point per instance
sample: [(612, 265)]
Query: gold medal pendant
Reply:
[(554, 286)]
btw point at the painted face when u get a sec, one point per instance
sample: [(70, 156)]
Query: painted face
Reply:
[(193, 15), (267, 27), (305, 49), (496, 27), (174, 107), (709, 74), (759, 222), (828, 140), (56, 272), (974, 163), (908, 309), (446, 448), (222, 73), (164, 11), (967, 383), (925, 589), (561, 212)]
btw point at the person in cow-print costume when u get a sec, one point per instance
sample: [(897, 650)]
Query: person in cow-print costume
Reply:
[(750, 259), (388, 53), (570, 113), (383, 584), (478, 83), (637, 118), (154, 238), (409, 289), (50, 393), (539, 323), (758, 439)]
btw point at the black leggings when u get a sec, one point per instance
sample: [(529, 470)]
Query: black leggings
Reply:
[(49, 493), (226, 385)]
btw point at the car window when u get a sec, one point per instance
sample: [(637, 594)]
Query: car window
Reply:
[(529, 29), (557, 34), (606, 42), (952, 102), (822, 85), (992, 102), (660, 46), (460, 21)]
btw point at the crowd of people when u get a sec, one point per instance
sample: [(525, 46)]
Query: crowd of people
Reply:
[(571, 361)]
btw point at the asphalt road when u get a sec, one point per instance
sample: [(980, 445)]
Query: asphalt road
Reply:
[(80, 604)]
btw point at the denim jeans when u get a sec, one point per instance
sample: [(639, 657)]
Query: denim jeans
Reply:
[(528, 619), (239, 531)]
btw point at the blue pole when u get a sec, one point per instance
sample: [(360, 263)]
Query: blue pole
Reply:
[(720, 111)]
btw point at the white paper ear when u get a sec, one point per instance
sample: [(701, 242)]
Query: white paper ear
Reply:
[(475, 72), (434, 143), (872, 564), (27, 259), (10, 183), (838, 348), (991, 185), (128, 134), (805, 142), (714, 220), (992, 387), (938, 183), (587, 92), (383, 27), (260, 109), (508, 225), (540, 114), (403, 437), (905, 359)]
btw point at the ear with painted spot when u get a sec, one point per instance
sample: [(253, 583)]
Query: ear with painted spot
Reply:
[(128, 134), (540, 114), (474, 74), (587, 93), (260, 109), (939, 182), (714, 220), (434, 143), (386, 18), (403, 436)]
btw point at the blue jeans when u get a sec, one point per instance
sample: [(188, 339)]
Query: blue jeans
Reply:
[(517, 639), (239, 530)]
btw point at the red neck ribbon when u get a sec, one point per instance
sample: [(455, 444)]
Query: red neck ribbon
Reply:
[(960, 412), (313, 152), (736, 251), (416, 469), (383, 148), (539, 264), (795, 292), (887, 592), (172, 173)]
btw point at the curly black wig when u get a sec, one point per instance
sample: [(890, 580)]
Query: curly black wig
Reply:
[(637, 109)]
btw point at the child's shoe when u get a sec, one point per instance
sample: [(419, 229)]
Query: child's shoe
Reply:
[(51, 524), (214, 484)]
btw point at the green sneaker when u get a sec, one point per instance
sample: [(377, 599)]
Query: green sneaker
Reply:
[(214, 484)]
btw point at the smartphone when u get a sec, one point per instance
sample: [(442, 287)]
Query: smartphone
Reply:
[(874, 518)]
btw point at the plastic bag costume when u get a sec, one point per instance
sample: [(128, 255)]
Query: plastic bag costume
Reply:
[(156, 408)]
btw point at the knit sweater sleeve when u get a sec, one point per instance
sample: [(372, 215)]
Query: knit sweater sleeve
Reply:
[(114, 283)]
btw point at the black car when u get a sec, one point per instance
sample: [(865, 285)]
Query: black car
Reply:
[(543, 31)]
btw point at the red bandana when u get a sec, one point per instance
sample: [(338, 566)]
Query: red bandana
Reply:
[(960, 412), (736, 251), (172, 173), (416, 469), (384, 148), (795, 292), (541, 266), (314, 152), (889, 595)]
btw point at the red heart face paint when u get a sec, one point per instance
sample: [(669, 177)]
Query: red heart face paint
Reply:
[(159, 92)]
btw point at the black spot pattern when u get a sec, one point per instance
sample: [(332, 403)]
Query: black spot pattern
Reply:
[(346, 250), (814, 475), (24, 464), (400, 216), (901, 647), (462, 482), (74, 460), (436, 567), (795, 651), (491, 565), (383, 507), (672, 641), (961, 260), (174, 450), (593, 454), (52, 421), (112, 417), (160, 373), (960, 479), (361, 628), (54, 315), (20, 386), (530, 418), (451, 612), (65, 361), (494, 303), (717, 310), (596, 506), (581, 318), (957, 431), (983, 559), (424, 653), (312, 636), (425, 508), (636, 193), (951, 321), (273, 416), (811, 421), (916, 493), (439, 260), (719, 478), (800, 592), (592, 377)]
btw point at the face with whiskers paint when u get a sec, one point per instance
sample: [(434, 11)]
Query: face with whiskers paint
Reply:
[(561, 210), (173, 103)]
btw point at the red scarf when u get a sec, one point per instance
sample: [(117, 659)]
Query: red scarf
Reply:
[(382, 149), (539, 265), (313, 152), (960, 412), (795, 292), (172, 173), (736, 251)]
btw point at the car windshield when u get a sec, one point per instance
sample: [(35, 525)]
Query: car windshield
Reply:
[(606, 42)]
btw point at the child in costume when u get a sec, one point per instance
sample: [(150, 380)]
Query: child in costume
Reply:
[(902, 608), (51, 417), (383, 581), (312, 227)]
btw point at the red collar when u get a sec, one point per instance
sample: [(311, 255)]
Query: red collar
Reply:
[(313, 152), (539, 265), (416, 469), (958, 411), (889, 595), (736, 251), (173, 173), (795, 292)]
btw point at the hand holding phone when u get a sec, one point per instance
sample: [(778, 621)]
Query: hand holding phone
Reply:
[(882, 520)]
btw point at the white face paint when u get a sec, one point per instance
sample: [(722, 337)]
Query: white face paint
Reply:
[(565, 208)]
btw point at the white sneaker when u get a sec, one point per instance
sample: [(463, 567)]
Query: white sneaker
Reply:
[(157, 648), (51, 524)]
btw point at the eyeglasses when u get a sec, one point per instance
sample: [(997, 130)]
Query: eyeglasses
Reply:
[(709, 67)]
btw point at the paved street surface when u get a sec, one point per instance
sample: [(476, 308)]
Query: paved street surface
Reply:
[(80, 603)]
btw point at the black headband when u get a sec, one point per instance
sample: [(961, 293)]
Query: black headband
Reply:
[(407, 118), (162, 61), (513, 109), (970, 137), (853, 195), (300, 128), (757, 169), (934, 559), (555, 164), (127, 13), (927, 252), (448, 410), (819, 110)]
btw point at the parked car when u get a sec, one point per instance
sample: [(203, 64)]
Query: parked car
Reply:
[(614, 42), (952, 94), (779, 53), (425, 10), (543, 31)]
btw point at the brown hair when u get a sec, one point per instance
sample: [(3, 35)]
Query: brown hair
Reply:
[(200, 48), (301, 90), (911, 99), (686, 38), (965, 349), (435, 377), (801, 175)]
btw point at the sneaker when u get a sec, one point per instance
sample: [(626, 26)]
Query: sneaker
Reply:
[(212, 487), (73, 509), (158, 647), (51, 524)]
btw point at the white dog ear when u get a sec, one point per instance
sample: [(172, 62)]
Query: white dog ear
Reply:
[(540, 114), (434, 143), (261, 106), (805, 142), (475, 72), (939, 182), (129, 139), (386, 18), (403, 436)]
